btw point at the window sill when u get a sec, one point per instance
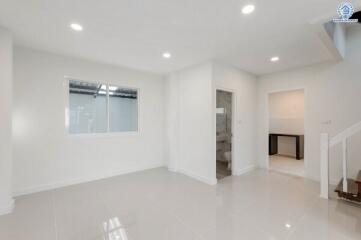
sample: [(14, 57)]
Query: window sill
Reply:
[(102, 135)]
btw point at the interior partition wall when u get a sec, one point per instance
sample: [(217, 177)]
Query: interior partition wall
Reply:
[(6, 68)]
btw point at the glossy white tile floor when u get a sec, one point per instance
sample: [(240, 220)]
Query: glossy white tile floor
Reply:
[(287, 165), (160, 205)]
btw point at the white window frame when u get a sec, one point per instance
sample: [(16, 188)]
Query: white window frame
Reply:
[(67, 80)]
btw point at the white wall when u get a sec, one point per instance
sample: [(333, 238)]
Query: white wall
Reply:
[(337, 33), (244, 87), (339, 38), (192, 100), (191, 119), (6, 81), (196, 123), (286, 115), (332, 97), (45, 156)]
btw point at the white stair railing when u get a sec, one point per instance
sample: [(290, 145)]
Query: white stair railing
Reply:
[(326, 144), (344, 165), (324, 179)]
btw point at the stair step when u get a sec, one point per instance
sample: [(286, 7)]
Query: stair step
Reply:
[(352, 187), (358, 179), (352, 191)]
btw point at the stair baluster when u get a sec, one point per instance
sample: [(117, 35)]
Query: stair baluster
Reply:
[(347, 188), (344, 164)]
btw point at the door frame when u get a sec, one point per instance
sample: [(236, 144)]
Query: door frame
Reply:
[(233, 119), (305, 126)]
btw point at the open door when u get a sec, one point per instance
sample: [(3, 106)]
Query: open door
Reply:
[(224, 133)]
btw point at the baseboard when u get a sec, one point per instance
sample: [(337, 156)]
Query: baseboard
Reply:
[(203, 179), (8, 208), (243, 170), (55, 185), (172, 169), (333, 182), (310, 177), (287, 172)]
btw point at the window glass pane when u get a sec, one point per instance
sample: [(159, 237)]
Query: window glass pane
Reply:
[(123, 109), (87, 107)]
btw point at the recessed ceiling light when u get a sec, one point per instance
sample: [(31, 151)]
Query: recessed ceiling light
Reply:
[(287, 225), (167, 55), (275, 59), (76, 27), (248, 9)]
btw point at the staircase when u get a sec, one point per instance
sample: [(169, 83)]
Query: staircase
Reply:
[(353, 192), (349, 189)]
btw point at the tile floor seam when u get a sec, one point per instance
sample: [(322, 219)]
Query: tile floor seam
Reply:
[(302, 217), (54, 215), (197, 234), (180, 219), (287, 165), (184, 223), (257, 205)]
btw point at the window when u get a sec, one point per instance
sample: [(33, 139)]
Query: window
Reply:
[(123, 109), (101, 108)]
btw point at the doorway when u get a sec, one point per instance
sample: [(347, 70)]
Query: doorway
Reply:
[(224, 113), (286, 131)]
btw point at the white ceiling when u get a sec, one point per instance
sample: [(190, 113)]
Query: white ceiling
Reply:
[(135, 33)]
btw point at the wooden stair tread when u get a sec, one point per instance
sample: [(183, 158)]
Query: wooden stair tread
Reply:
[(358, 179), (351, 185)]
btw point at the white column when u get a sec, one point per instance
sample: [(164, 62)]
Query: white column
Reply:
[(172, 121), (324, 181), (6, 68)]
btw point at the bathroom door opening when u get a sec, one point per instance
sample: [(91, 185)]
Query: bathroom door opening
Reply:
[(224, 118)]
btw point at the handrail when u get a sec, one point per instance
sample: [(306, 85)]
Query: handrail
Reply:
[(326, 144), (345, 134)]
